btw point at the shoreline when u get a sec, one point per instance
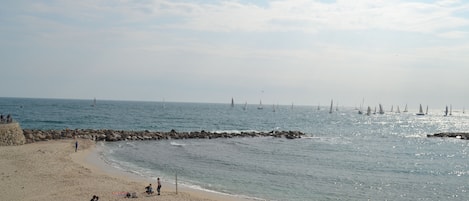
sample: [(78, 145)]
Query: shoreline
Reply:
[(52, 170), (92, 160)]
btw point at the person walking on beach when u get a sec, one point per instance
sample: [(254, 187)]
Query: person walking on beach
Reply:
[(76, 145), (159, 186)]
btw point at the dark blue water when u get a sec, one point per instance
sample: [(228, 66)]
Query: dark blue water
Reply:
[(345, 156)]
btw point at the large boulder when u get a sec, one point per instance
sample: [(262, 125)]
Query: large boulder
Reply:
[(11, 134)]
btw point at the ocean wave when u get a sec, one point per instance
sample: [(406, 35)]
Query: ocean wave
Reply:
[(177, 144)]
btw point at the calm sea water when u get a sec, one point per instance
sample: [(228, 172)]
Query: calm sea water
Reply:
[(345, 156)]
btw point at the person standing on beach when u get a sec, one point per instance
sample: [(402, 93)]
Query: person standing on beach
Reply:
[(159, 186), (76, 145)]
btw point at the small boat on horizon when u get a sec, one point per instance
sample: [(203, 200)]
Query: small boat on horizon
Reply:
[(420, 113), (94, 103), (260, 107), (381, 110)]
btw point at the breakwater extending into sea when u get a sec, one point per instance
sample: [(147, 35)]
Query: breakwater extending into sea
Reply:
[(34, 135), (341, 156)]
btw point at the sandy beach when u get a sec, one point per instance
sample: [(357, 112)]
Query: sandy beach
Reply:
[(52, 170)]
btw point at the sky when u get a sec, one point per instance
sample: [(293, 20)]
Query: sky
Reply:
[(304, 52)]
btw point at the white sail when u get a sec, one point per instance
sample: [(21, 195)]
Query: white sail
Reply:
[(260, 107), (94, 103), (446, 111), (332, 104), (245, 105), (420, 111), (426, 111), (232, 102), (405, 109), (398, 111), (381, 110), (368, 111), (392, 108)]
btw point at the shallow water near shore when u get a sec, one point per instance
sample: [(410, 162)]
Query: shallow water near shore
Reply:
[(345, 156)]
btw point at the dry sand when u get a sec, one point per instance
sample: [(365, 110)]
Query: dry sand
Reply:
[(54, 171)]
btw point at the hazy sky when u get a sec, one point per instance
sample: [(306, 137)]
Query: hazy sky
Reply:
[(300, 51)]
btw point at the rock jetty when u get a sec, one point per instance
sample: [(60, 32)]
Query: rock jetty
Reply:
[(11, 134), (120, 135), (458, 135)]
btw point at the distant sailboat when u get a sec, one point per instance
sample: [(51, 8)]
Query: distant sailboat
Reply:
[(368, 111), (398, 111), (273, 107), (332, 105), (405, 109), (245, 105), (446, 111), (94, 103), (392, 108), (232, 102), (426, 111), (319, 107), (337, 107), (360, 111), (260, 107), (450, 110), (381, 110), (374, 111), (420, 111)]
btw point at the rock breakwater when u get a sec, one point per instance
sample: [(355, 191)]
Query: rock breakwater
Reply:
[(11, 134), (458, 135), (120, 135)]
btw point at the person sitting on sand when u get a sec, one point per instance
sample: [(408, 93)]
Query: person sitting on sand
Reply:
[(149, 189), (95, 198)]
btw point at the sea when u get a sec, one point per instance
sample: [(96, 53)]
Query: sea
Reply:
[(343, 156)]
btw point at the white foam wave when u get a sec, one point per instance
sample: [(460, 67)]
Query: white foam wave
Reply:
[(177, 144)]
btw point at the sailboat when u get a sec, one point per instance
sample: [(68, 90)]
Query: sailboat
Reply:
[(420, 111), (450, 110), (398, 111), (319, 107), (374, 111), (426, 111), (337, 107), (332, 104), (361, 107), (368, 111), (260, 105), (94, 103), (273, 107), (381, 110), (446, 111), (405, 109), (392, 108), (245, 105), (232, 102)]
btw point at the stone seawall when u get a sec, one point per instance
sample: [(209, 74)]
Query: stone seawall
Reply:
[(11, 134), (458, 135), (119, 135)]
